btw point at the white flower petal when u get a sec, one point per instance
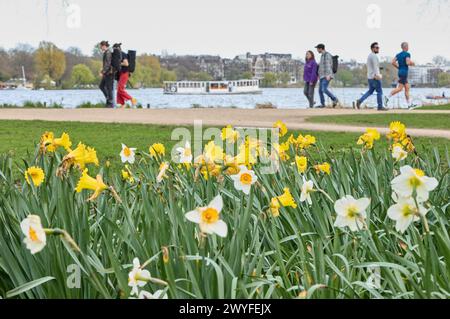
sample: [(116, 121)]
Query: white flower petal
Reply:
[(217, 203), (194, 216)]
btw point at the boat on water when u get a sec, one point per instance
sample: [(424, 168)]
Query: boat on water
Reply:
[(212, 87)]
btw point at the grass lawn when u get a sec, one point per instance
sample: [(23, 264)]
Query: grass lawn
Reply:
[(20, 137), (435, 107), (412, 120)]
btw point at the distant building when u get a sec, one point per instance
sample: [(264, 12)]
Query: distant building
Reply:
[(213, 65), (426, 74)]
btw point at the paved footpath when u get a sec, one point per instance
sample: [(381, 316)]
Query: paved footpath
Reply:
[(294, 118)]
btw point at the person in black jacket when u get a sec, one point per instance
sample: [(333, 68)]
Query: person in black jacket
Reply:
[(107, 74)]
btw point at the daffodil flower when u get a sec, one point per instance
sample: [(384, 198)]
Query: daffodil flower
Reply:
[(411, 180), (405, 212), (398, 153), (127, 154), (397, 131), (213, 153), (285, 200), (368, 138), (208, 218), (88, 182), (137, 277), (229, 134), (35, 237), (281, 127), (81, 156), (34, 175), (157, 149), (244, 179), (185, 153), (307, 189), (351, 212), (323, 168), (162, 171), (159, 294), (302, 163)]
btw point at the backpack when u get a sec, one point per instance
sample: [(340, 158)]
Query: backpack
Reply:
[(131, 61), (335, 67), (116, 59)]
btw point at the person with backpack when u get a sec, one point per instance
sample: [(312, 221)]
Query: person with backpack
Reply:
[(402, 62), (310, 77), (327, 68), (374, 78), (107, 74), (123, 74)]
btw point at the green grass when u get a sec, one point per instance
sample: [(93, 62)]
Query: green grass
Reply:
[(435, 107), (413, 120), (20, 137)]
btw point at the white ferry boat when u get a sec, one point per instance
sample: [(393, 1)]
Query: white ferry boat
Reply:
[(212, 87)]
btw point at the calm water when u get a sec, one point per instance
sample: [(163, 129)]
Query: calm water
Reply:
[(282, 98)]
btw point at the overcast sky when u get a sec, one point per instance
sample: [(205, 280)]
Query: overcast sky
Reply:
[(232, 27)]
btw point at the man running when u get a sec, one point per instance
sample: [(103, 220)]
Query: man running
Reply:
[(374, 77), (402, 62)]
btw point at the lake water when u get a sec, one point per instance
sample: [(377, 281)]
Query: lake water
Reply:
[(282, 98)]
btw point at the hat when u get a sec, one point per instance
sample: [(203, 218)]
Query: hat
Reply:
[(105, 43), (320, 46)]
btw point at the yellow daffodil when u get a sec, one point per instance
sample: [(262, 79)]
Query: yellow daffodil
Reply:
[(34, 174), (247, 154), (411, 180), (137, 277), (244, 179), (231, 165), (302, 163), (368, 138), (397, 131), (127, 175), (275, 207), (282, 150), (35, 237), (127, 155), (285, 200), (229, 134), (88, 182), (208, 218), (210, 169), (50, 143), (351, 212), (157, 150), (281, 127), (162, 171), (398, 153), (323, 168), (81, 156), (213, 152), (404, 212), (408, 144), (305, 142)]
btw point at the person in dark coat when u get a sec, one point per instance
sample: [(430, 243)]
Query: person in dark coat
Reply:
[(107, 74)]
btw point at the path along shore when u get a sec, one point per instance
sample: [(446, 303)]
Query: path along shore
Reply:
[(294, 118)]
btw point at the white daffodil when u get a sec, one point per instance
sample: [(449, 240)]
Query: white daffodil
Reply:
[(35, 237), (127, 154), (209, 218), (398, 153), (411, 179), (244, 180), (404, 212), (185, 153), (162, 171), (351, 212), (307, 189), (159, 294), (137, 277)]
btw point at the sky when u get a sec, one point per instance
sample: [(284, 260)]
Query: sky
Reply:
[(232, 27)]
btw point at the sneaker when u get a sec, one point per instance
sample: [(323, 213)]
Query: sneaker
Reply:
[(358, 104), (335, 103), (382, 109), (412, 106), (320, 106), (386, 100)]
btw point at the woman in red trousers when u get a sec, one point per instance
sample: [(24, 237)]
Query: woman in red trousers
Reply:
[(124, 74)]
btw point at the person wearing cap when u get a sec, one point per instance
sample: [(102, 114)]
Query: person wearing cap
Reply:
[(106, 73), (325, 76), (374, 77)]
